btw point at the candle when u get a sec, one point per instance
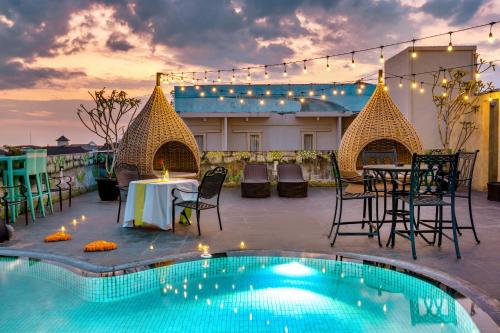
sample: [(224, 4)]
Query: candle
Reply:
[(242, 245)]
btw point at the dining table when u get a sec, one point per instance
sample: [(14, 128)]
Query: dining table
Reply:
[(7, 165), (149, 202), (397, 175)]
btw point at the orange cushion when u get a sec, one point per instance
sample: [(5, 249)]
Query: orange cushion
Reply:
[(58, 237), (100, 245)]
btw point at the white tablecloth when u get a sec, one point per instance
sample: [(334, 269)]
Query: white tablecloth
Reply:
[(158, 201)]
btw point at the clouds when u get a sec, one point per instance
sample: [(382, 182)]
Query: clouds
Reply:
[(459, 11), (118, 42)]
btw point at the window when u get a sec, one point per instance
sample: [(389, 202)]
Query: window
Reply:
[(308, 141), (254, 142), (200, 140)]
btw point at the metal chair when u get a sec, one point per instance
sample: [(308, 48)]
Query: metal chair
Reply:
[(62, 184), (209, 190), (378, 157), (125, 173), (433, 182), (341, 196), (20, 197), (466, 164)]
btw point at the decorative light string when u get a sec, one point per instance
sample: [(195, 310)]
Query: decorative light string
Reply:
[(173, 74)]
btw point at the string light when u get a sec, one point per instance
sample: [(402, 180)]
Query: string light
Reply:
[(386, 88), (194, 79), (311, 92), (282, 102), (305, 68), (381, 59), (231, 91), (268, 92), (248, 74), (323, 96), (413, 52), (214, 89), (205, 79), (233, 77), (221, 98), (450, 45), (466, 97), (400, 82), (202, 94), (445, 94), (266, 74), (249, 92), (302, 100), (334, 91), (284, 69), (182, 76), (242, 101), (197, 87), (290, 93), (218, 76), (445, 80), (353, 64), (362, 85), (342, 91), (490, 99), (414, 83), (262, 102), (490, 36), (421, 87), (327, 64)]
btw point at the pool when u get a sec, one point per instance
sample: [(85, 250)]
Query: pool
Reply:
[(227, 294)]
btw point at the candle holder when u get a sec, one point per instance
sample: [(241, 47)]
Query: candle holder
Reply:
[(205, 253)]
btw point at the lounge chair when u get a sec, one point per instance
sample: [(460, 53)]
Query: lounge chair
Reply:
[(291, 183), (255, 182)]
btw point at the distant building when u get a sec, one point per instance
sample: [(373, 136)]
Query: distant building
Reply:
[(270, 117), (62, 141)]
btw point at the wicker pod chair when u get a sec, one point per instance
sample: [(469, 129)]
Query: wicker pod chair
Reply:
[(255, 182), (291, 183)]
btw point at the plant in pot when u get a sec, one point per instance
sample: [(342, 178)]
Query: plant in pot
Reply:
[(108, 118)]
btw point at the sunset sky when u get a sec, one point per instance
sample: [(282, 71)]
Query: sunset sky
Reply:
[(53, 52)]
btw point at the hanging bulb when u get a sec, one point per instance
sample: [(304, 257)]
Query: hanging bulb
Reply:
[(466, 97), (262, 102), (197, 87), (233, 77), (362, 86), (242, 101), (352, 60), (311, 92), (202, 94), (342, 91), (490, 99), (414, 83), (359, 90), (282, 102), (266, 74), (323, 96), (445, 94), (218, 76), (400, 82), (305, 68), (249, 92), (490, 36), (302, 100), (413, 52), (421, 87), (290, 93), (205, 78), (477, 74), (327, 64), (214, 89), (231, 91), (381, 59), (450, 45), (386, 88), (445, 80), (221, 98), (248, 74), (335, 92), (284, 69), (182, 76), (268, 92), (193, 79)]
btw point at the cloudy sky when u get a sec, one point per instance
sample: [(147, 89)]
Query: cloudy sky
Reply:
[(53, 52)]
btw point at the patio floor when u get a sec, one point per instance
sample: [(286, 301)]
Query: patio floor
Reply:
[(265, 224)]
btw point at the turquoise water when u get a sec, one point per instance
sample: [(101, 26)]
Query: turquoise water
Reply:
[(234, 294)]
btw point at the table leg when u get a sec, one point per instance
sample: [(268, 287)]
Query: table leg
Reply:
[(12, 191), (394, 208)]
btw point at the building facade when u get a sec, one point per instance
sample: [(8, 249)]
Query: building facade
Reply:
[(270, 117)]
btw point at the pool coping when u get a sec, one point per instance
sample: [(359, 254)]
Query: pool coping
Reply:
[(489, 305)]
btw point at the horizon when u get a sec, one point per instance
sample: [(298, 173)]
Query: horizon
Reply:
[(57, 52)]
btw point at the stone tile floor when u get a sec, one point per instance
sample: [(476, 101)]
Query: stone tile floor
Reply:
[(265, 224)]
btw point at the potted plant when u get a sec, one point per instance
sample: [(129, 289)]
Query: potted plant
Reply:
[(108, 120)]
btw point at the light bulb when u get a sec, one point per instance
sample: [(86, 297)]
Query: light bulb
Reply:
[(490, 36), (360, 90), (414, 54), (445, 80), (214, 89), (266, 74), (248, 74), (249, 92), (302, 100), (466, 97), (221, 98), (421, 87), (218, 76), (414, 84), (290, 93), (386, 88), (202, 94), (450, 45), (183, 88), (63, 228), (352, 60), (284, 69), (233, 77), (445, 94), (335, 91), (327, 64), (305, 68), (282, 102), (477, 75), (231, 91), (205, 78), (342, 92), (311, 93), (490, 98), (323, 96), (242, 101), (400, 82), (268, 92), (362, 86), (261, 102)]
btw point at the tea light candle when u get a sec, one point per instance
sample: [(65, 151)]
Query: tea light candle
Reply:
[(205, 253), (242, 245)]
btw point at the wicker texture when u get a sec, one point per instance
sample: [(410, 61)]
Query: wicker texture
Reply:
[(159, 134), (380, 121)]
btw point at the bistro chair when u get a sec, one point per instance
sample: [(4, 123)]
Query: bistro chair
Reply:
[(466, 164), (62, 184), (125, 173), (379, 157), (207, 197), (341, 196), (255, 182), (291, 183), (19, 198), (433, 181)]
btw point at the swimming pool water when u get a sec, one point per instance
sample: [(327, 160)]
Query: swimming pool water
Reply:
[(233, 294)]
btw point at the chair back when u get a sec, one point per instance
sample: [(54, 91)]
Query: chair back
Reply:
[(289, 171), (30, 162), (41, 160), (255, 171), (466, 164), (433, 175), (336, 170), (126, 173), (379, 157), (212, 182)]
